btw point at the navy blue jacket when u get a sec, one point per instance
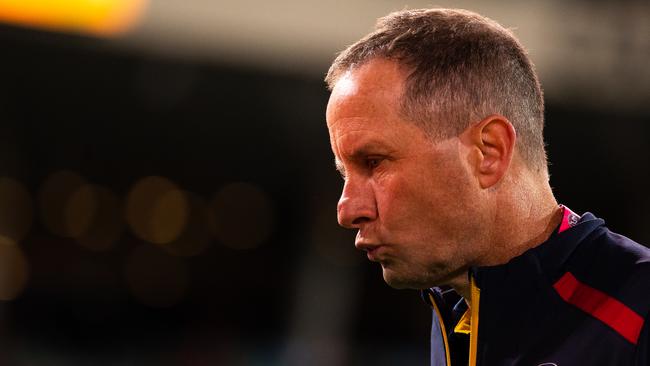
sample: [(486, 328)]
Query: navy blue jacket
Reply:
[(580, 298)]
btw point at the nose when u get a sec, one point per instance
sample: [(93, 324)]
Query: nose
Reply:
[(357, 205)]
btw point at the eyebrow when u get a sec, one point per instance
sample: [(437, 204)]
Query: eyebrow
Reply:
[(360, 152), (367, 148)]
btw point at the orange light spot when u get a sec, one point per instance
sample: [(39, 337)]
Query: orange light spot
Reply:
[(96, 17), (156, 210)]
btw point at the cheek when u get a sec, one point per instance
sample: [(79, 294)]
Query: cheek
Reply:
[(424, 204), (403, 204)]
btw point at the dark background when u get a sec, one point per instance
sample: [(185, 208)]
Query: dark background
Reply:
[(301, 296)]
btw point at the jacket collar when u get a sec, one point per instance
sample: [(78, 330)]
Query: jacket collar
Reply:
[(548, 258)]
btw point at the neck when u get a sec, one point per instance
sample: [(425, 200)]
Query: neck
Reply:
[(523, 219)]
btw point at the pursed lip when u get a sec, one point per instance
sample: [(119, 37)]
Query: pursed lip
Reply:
[(372, 249)]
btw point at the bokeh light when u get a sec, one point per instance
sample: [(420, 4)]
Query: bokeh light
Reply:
[(107, 224), (16, 210), (156, 210), (14, 270), (97, 17), (195, 237), (241, 216), (79, 210), (66, 208), (156, 278)]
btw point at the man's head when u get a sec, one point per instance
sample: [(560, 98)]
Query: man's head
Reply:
[(422, 122), (461, 67)]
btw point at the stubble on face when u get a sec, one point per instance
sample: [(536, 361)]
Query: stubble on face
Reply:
[(416, 205), (434, 218)]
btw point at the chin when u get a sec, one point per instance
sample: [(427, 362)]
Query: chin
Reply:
[(402, 281), (416, 281)]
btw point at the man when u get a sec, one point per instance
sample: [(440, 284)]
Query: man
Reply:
[(435, 121)]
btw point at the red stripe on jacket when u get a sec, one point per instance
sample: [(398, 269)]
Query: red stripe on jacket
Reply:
[(601, 306)]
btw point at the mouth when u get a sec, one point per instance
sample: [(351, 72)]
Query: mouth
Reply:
[(374, 254), (373, 251)]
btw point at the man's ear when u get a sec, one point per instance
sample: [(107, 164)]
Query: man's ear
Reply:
[(493, 141)]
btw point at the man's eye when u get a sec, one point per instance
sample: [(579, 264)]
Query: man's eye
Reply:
[(373, 162)]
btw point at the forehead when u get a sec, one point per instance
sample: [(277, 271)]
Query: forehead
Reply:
[(363, 116), (374, 88)]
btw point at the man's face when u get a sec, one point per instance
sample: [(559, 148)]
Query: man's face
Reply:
[(410, 199)]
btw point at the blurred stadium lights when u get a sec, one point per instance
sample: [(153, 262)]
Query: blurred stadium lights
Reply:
[(94, 17), (239, 215), (156, 210), (72, 208), (107, 223), (79, 211)]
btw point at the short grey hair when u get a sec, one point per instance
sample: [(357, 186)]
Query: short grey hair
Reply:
[(462, 67)]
